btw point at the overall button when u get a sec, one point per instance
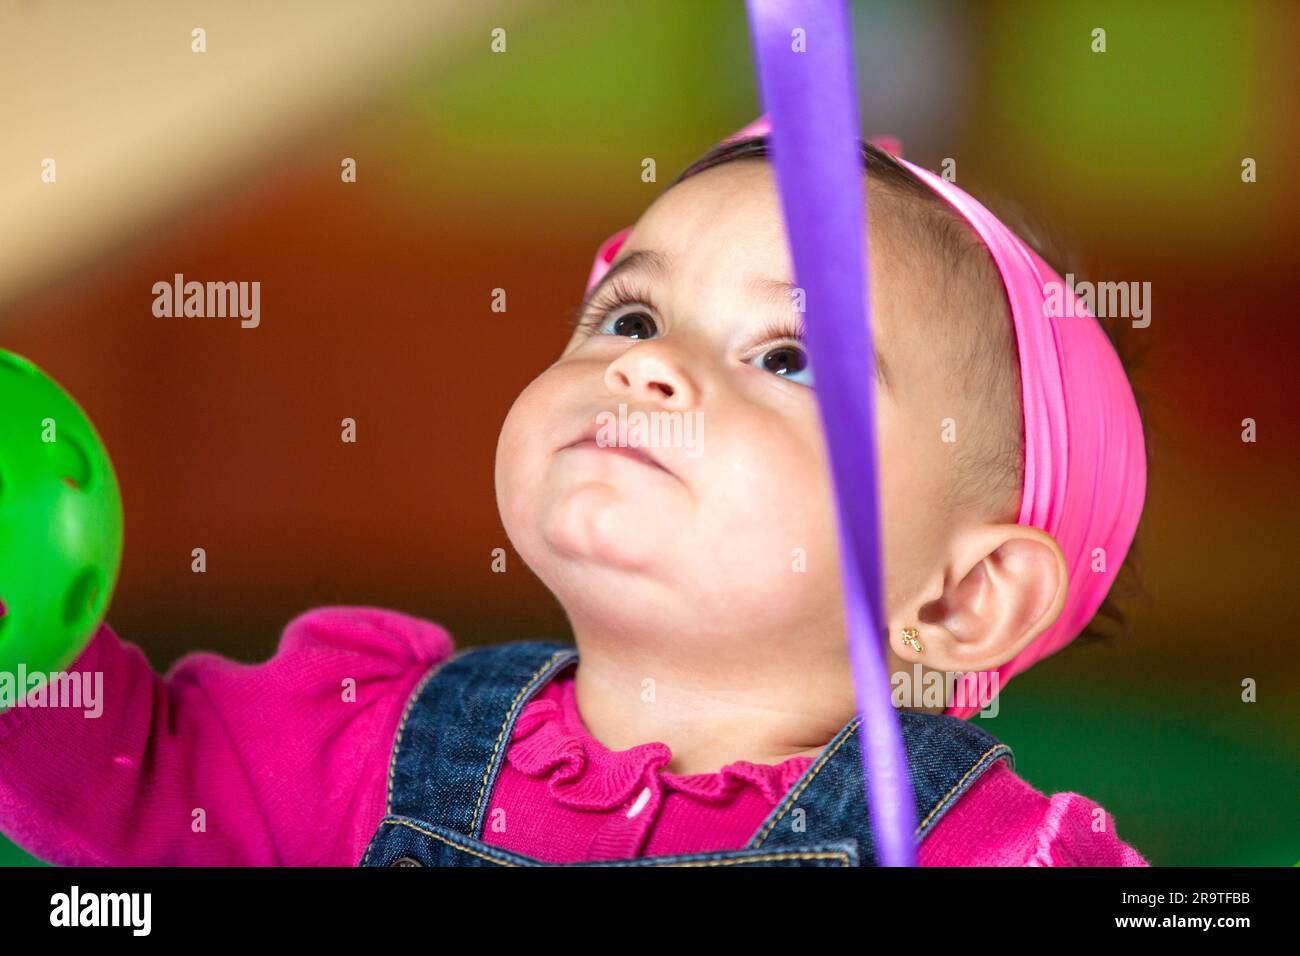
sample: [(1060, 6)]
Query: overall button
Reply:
[(406, 861)]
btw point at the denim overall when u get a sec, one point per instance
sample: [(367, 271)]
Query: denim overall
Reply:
[(459, 720)]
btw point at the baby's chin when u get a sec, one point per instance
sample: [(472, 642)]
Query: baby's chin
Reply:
[(600, 525)]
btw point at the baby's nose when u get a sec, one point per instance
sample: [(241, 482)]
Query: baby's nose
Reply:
[(650, 377)]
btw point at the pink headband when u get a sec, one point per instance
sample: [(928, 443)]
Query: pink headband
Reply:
[(1085, 459)]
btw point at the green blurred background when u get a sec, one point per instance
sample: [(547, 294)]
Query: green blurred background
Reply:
[(479, 170)]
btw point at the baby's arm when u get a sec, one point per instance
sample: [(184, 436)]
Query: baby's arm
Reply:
[(220, 762), (1003, 821)]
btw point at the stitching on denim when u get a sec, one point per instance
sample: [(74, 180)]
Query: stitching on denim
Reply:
[(767, 831), (984, 758), (765, 858), (790, 800), (397, 745), (487, 771), (401, 729), (451, 843)]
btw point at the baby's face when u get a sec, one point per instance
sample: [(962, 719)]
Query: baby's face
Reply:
[(727, 537)]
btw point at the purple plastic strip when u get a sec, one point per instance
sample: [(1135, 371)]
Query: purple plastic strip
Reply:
[(804, 55)]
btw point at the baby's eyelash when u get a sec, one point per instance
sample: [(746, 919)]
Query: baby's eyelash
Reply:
[(787, 328), (617, 294), (614, 295)]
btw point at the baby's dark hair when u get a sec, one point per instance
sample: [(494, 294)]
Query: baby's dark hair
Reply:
[(988, 470)]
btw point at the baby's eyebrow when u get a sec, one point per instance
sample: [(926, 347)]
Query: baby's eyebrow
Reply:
[(775, 291)]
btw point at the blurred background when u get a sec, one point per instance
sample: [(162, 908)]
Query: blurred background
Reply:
[(478, 170)]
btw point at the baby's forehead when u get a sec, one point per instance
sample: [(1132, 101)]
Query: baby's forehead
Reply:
[(737, 205), (723, 219), (725, 226)]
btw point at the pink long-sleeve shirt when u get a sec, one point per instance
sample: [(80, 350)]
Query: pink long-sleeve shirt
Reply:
[(286, 762)]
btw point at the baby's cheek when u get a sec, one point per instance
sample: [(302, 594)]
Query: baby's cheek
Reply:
[(508, 489), (780, 516), (519, 455), (914, 527)]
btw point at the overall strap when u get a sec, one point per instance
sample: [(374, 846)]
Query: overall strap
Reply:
[(945, 755), (453, 736)]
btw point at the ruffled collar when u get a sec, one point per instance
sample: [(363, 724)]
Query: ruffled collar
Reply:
[(550, 740)]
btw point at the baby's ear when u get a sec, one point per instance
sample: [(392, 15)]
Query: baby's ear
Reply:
[(1003, 586)]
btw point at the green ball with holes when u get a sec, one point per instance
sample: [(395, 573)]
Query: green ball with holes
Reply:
[(60, 527)]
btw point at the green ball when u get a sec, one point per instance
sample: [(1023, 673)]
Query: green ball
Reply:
[(60, 523)]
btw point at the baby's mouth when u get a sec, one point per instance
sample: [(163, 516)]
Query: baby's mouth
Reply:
[(626, 451), (589, 442)]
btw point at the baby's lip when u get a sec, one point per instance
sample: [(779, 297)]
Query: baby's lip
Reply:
[(645, 454)]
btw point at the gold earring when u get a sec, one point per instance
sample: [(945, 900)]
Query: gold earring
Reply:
[(910, 635)]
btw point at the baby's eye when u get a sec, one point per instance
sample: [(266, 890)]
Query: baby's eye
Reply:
[(787, 360), (634, 325)]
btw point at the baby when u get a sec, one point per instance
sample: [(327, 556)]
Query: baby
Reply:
[(711, 719)]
